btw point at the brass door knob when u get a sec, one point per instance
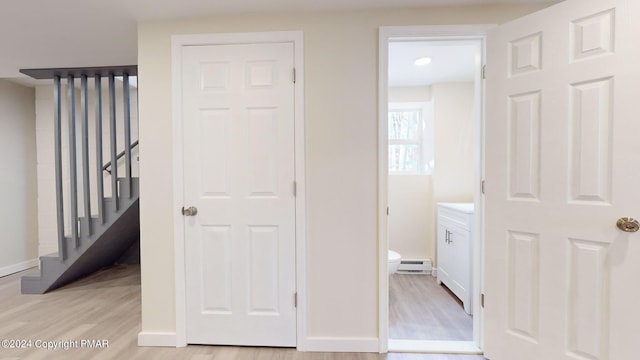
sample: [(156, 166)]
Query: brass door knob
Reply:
[(628, 224)]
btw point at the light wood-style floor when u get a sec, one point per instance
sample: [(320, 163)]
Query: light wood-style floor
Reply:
[(420, 309), (106, 305)]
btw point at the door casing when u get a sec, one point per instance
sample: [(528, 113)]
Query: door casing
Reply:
[(177, 42), (448, 32)]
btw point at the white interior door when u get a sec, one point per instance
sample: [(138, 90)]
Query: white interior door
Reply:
[(561, 280), (238, 124)]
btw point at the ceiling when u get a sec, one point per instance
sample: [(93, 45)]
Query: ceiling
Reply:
[(65, 33), (451, 61)]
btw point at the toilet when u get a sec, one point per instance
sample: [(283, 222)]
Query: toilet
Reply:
[(394, 262)]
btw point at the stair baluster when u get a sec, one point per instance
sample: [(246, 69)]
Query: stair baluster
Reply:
[(85, 243), (99, 160), (86, 186), (57, 116), (127, 131), (73, 165), (113, 140)]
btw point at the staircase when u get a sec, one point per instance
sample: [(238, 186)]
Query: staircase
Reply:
[(90, 235)]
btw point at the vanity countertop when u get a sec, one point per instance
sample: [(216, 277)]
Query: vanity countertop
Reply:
[(464, 207)]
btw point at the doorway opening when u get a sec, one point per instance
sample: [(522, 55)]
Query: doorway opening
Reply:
[(430, 158)]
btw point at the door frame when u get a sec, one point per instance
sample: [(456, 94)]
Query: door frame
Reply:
[(177, 42), (436, 32)]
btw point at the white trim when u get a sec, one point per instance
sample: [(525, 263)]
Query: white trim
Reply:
[(178, 195), (161, 339), (434, 347), (338, 344), (383, 177), (177, 42), (433, 31), (12, 269), (477, 231), (301, 189), (390, 33)]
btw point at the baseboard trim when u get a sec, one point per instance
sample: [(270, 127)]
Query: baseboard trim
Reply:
[(339, 344), (159, 339), (12, 269)]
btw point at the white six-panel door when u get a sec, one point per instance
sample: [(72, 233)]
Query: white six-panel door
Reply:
[(562, 135), (238, 124)]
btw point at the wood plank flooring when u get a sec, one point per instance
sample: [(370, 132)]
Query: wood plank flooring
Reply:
[(106, 305), (420, 309)]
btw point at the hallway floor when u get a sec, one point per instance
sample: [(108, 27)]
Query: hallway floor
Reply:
[(106, 305), (420, 309)]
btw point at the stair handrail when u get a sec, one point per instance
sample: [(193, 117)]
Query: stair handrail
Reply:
[(120, 155)]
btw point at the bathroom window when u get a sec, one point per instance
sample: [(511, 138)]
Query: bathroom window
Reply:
[(410, 138)]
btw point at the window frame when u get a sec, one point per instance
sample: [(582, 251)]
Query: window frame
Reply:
[(421, 108)]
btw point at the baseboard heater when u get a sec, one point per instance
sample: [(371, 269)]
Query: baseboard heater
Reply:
[(415, 266)]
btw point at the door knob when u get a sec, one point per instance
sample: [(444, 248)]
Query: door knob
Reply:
[(628, 224), (190, 211)]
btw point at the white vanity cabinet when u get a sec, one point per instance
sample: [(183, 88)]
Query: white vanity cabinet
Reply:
[(455, 224)]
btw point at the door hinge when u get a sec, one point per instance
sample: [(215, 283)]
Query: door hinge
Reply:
[(482, 186), (482, 300), (484, 72), (295, 300), (295, 189), (294, 75)]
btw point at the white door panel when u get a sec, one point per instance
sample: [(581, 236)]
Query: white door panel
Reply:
[(561, 133), (238, 123)]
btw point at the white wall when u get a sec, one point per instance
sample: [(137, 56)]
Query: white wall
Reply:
[(47, 227), (18, 208), (409, 94), (413, 198), (454, 148), (412, 210), (341, 51), (410, 197)]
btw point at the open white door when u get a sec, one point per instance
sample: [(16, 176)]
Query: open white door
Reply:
[(561, 280)]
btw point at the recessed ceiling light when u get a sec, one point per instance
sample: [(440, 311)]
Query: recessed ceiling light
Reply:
[(422, 61)]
